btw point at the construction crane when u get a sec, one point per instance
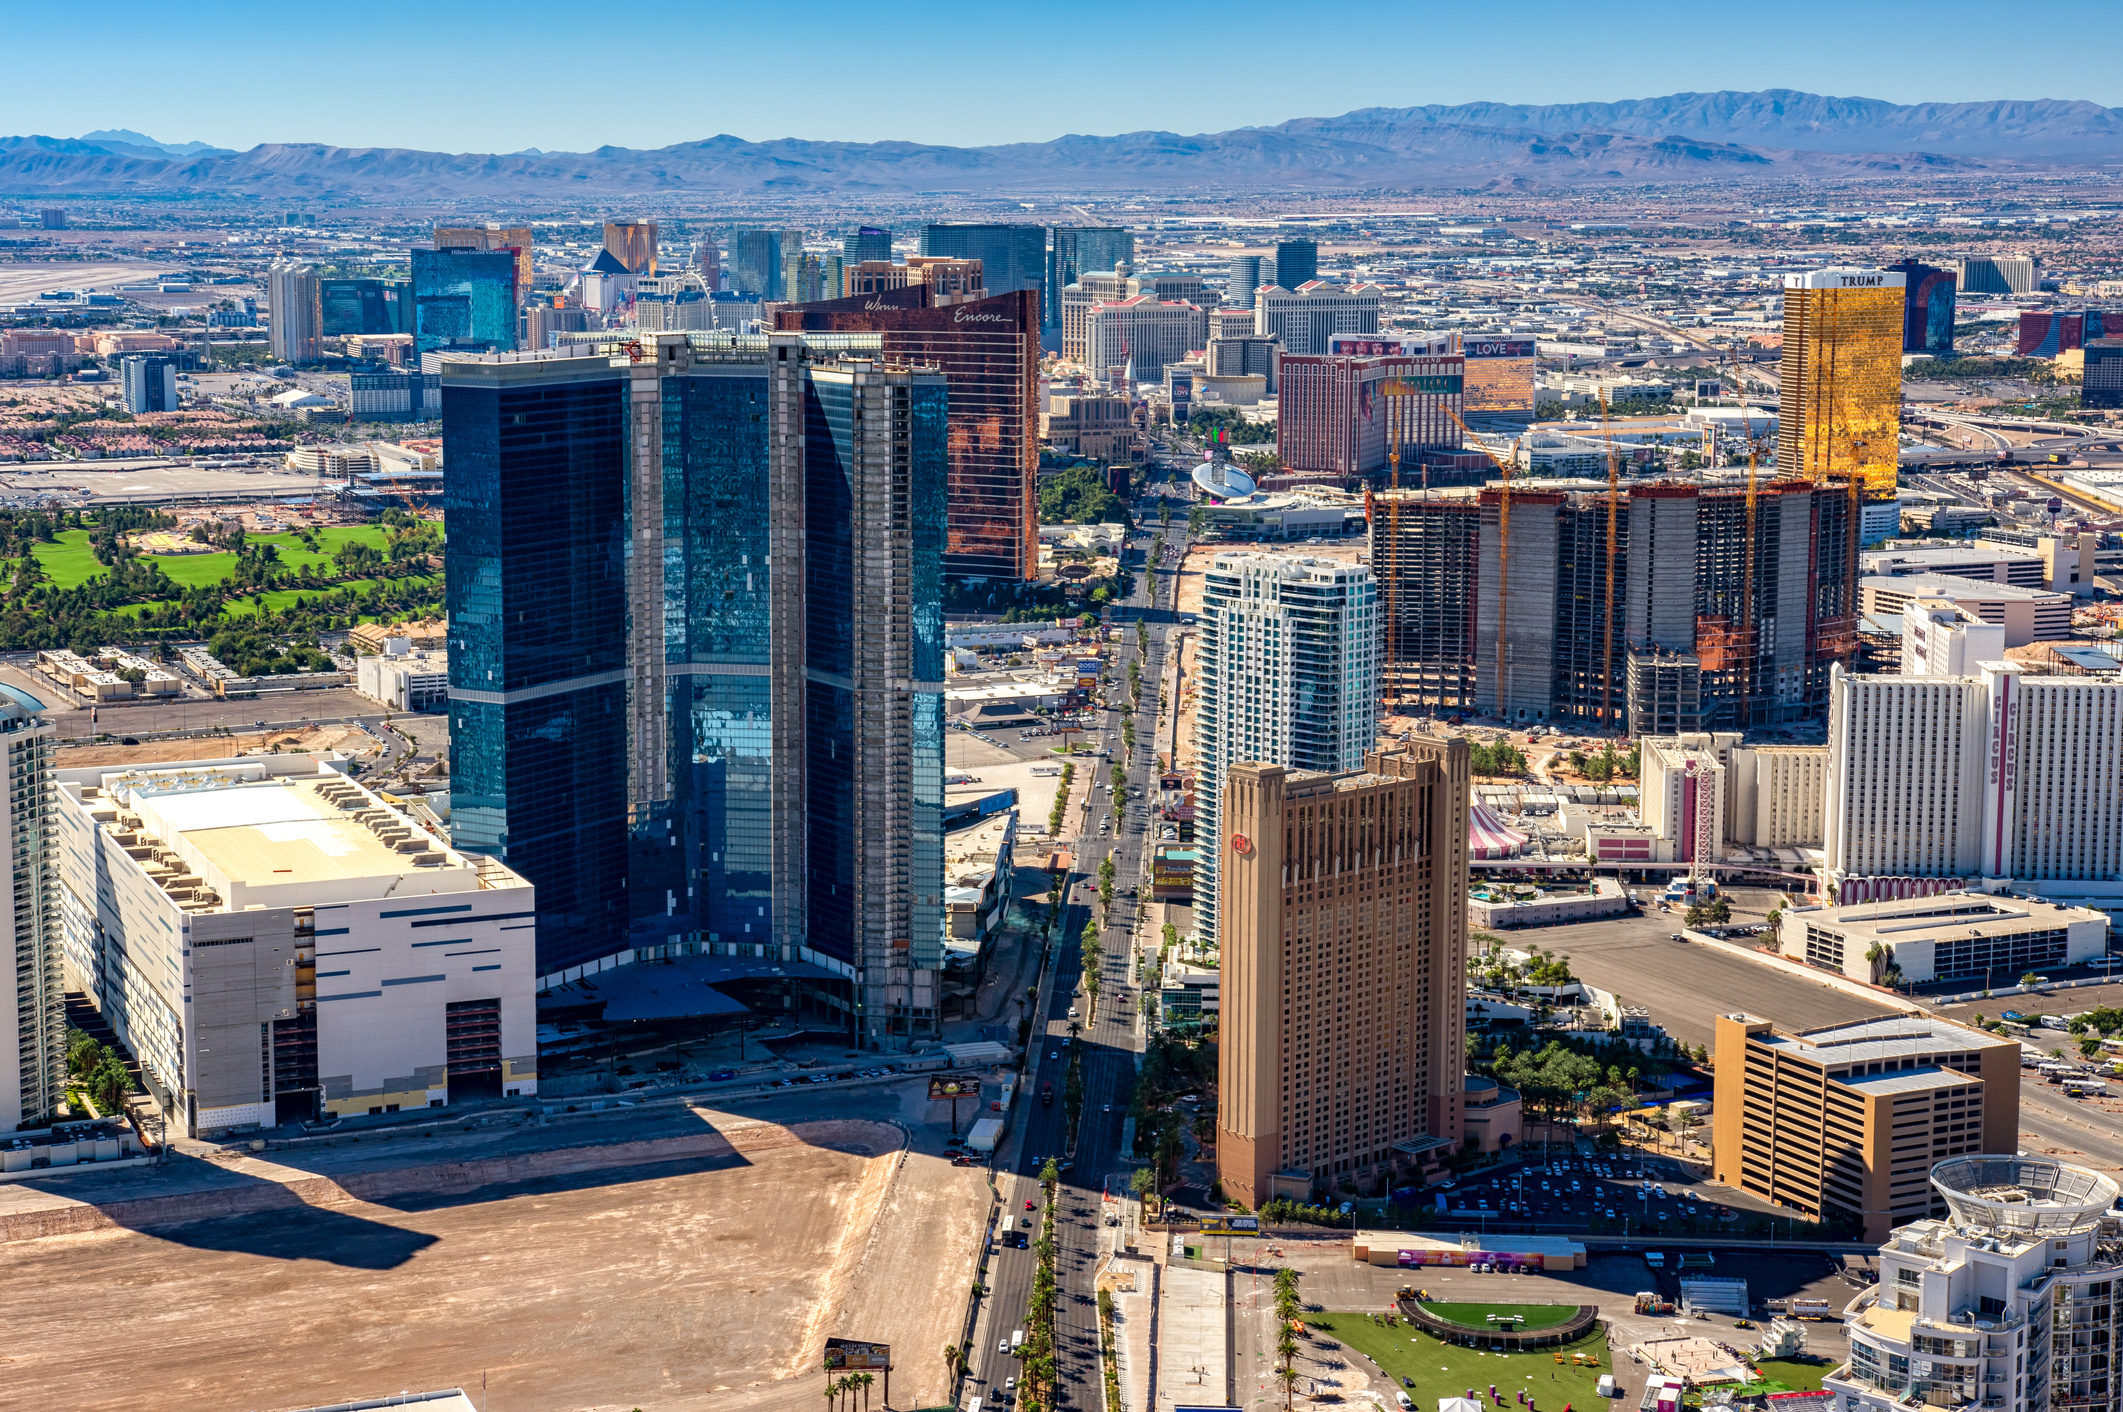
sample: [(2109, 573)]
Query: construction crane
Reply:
[(1396, 391), (1746, 632)]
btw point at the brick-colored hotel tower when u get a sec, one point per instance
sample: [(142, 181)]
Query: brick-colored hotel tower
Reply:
[(1343, 931)]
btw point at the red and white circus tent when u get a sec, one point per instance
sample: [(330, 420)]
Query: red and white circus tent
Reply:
[(1487, 836)]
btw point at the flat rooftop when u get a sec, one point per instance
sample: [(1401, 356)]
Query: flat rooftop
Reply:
[(1953, 587), (1928, 918), (272, 830), (1888, 1037), (1908, 1081), (261, 833)]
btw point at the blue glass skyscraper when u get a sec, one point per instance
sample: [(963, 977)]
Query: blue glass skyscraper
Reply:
[(1011, 256), (464, 300), (757, 753), (1073, 250), (536, 554), (864, 243)]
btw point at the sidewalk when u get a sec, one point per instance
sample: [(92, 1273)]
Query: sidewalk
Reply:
[(1134, 1281), (1194, 1356)]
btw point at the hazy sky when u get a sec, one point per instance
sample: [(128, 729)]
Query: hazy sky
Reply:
[(483, 77)]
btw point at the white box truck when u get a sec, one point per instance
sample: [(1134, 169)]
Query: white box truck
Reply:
[(983, 1135)]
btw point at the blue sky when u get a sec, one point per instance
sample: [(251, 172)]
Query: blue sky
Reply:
[(483, 77)]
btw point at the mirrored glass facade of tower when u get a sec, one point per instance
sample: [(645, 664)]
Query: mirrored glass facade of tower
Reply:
[(1072, 250), (1011, 257), (464, 301), (1927, 307), (864, 243), (744, 766), (1296, 262), (537, 636), (989, 351), (364, 306)]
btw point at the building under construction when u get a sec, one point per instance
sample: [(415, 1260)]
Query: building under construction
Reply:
[(1425, 554), (1660, 607)]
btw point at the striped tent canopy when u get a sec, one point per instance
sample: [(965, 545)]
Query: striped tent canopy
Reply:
[(1487, 837)]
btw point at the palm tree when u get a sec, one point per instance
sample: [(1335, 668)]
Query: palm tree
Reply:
[(832, 1396), (1288, 1377), (1874, 955), (951, 1356), (866, 1379)]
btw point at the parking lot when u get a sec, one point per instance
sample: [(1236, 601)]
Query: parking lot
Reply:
[(1686, 985), (1628, 1193)]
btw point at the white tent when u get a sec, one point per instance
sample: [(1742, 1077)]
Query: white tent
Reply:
[(1458, 1404)]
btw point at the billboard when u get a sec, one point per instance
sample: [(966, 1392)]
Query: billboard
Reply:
[(843, 1354), (1379, 345), (1231, 1225), (1499, 374), (1447, 384), (952, 1086)]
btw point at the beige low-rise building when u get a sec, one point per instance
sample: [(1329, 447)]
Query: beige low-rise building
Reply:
[(1844, 1122), (1942, 936), (1089, 424), (1490, 1114)]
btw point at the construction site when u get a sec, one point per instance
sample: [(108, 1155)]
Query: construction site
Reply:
[(671, 1255), (1717, 599), (1673, 605)]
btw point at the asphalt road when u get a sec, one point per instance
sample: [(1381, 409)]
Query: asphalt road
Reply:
[(1106, 1045)]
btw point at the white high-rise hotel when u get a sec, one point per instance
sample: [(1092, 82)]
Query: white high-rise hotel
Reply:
[(2003, 778), (1289, 676)]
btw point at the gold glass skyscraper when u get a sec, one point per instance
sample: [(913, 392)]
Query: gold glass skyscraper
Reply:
[(1840, 413), (633, 244)]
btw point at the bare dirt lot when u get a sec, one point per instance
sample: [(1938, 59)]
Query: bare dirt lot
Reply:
[(712, 1277)]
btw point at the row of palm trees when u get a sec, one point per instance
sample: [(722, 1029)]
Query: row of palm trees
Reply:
[(1287, 1309), (847, 1388)]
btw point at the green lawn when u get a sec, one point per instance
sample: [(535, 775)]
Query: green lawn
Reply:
[(69, 562), (1476, 1316), (1447, 1370), (1787, 1375)]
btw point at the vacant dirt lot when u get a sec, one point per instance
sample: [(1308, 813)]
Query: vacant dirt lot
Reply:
[(712, 1276)]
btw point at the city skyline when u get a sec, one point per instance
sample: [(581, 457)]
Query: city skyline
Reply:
[(642, 795)]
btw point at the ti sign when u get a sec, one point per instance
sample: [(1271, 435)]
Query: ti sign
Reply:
[(1434, 383)]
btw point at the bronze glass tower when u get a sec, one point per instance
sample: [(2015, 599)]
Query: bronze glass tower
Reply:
[(988, 350)]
